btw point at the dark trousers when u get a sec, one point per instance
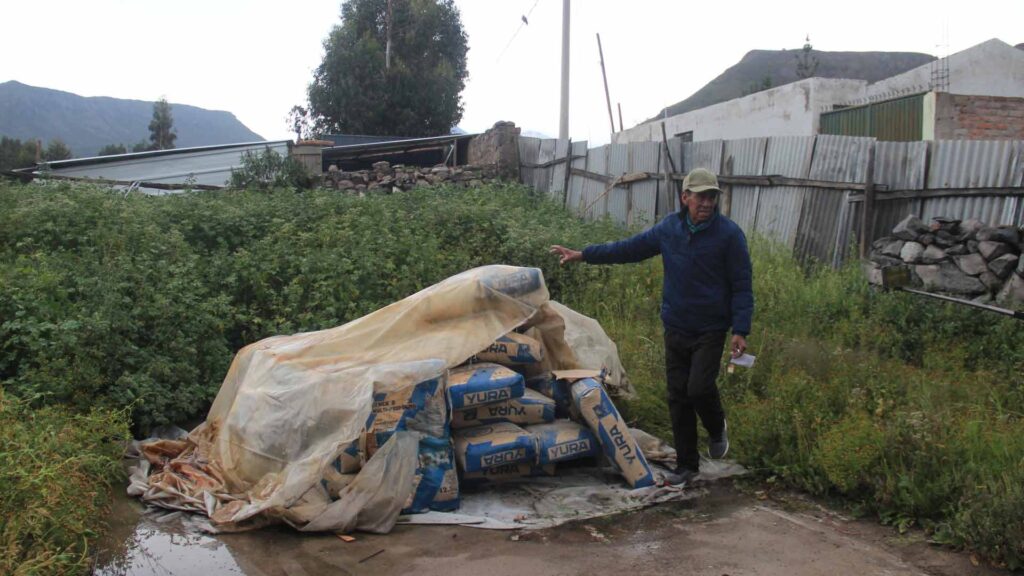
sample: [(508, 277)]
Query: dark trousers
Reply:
[(691, 367)]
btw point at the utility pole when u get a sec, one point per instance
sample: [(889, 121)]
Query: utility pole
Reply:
[(563, 120), (607, 98), (387, 49)]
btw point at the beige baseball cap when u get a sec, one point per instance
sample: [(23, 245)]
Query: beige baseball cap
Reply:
[(701, 180)]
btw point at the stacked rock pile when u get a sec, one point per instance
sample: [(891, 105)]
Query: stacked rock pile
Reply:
[(963, 258), (384, 177)]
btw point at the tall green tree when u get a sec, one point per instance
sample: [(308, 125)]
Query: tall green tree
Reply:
[(161, 127), (359, 89), (56, 149)]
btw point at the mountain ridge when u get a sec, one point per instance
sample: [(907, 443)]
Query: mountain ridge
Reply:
[(87, 123)]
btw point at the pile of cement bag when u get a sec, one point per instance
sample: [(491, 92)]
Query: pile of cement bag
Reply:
[(478, 378)]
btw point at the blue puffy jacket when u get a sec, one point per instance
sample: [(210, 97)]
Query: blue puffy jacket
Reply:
[(708, 275)]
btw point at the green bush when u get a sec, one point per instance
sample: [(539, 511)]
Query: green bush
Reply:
[(141, 301), (268, 169)]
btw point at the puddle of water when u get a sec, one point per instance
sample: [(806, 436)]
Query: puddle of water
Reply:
[(141, 543), (137, 544)]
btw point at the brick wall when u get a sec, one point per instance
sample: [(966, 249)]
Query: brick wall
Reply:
[(964, 117)]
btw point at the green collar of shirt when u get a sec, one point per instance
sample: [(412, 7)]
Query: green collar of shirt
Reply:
[(694, 228)]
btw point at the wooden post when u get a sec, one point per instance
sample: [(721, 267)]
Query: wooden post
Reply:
[(568, 170), (726, 206), (867, 222), (670, 188), (604, 76)]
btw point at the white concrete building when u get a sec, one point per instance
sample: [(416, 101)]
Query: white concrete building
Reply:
[(992, 68)]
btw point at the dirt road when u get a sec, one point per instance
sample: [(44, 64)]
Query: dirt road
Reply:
[(725, 532)]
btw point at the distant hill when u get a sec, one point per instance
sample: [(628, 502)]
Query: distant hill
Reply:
[(780, 67), (88, 124)]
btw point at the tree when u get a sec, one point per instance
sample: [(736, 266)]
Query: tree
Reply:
[(298, 121), (16, 154), (806, 62), (266, 170), (357, 91), (56, 150), (161, 127), (112, 149), (140, 146)]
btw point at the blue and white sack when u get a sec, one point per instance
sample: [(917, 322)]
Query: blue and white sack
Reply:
[(421, 407), (436, 483), (485, 383), (557, 390), (595, 407), (512, 349), (532, 408), (505, 473), (562, 441), (493, 445)]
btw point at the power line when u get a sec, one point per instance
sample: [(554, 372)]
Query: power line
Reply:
[(524, 21)]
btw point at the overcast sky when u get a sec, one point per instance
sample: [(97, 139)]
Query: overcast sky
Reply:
[(255, 58)]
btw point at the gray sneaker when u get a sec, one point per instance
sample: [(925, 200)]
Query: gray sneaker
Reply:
[(719, 447), (680, 477)]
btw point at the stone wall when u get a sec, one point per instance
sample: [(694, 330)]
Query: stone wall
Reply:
[(965, 259), (497, 147), (384, 177), (964, 117)]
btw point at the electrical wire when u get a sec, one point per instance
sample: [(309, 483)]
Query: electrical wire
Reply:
[(525, 20)]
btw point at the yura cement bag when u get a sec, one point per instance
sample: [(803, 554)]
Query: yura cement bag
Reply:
[(562, 441), (512, 349), (421, 407), (557, 390), (479, 384), (505, 473), (349, 460), (493, 445), (532, 408), (596, 408), (436, 484)]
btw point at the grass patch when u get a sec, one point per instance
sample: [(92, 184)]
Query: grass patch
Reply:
[(56, 469)]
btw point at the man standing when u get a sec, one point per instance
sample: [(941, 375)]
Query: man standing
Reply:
[(706, 292)]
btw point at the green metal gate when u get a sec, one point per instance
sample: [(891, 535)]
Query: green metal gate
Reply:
[(898, 120)]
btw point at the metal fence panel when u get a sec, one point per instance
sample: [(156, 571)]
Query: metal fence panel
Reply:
[(593, 203), (542, 176), (557, 187), (705, 154), (825, 228), (577, 183), (529, 151), (744, 158), (976, 164), (778, 212), (644, 157), (617, 201)]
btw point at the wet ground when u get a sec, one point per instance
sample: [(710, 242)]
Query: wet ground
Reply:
[(725, 532)]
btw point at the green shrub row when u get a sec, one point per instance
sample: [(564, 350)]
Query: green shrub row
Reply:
[(140, 301)]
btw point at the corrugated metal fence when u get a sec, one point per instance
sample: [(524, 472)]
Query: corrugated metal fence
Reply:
[(808, 209)]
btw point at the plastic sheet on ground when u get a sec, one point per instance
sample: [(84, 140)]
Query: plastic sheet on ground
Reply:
[(572, 494), (290, 405)]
